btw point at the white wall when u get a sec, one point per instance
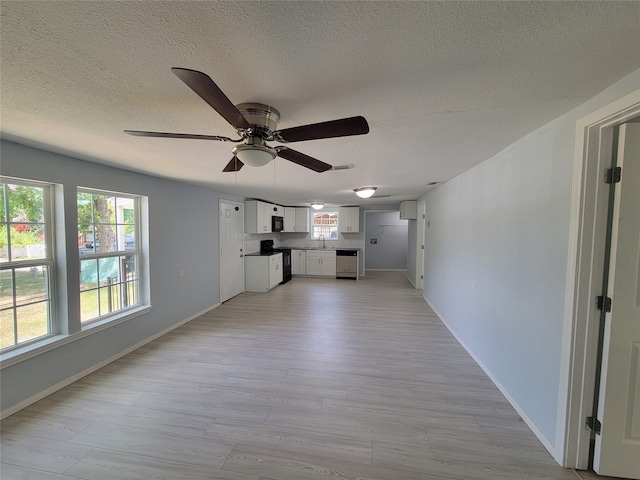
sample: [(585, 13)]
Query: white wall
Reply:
[(496, 260), (183, 228)]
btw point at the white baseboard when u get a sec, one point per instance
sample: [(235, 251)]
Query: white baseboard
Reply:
[(530, 423), (68, 381)]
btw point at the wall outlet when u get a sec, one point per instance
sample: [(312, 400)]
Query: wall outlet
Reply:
[(474, 286), (181, 273)]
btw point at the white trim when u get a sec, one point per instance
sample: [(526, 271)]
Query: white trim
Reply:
[(74, 378), (530, 423), (220, 272), (578, 348), (37, 348)]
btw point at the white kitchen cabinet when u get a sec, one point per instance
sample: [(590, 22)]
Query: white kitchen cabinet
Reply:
[(349, 219), (298, 262), (302, 219), (320, 263), (296, 219), (409, 210), (289, 219), (277, 210), (257, 216), (262, 272)]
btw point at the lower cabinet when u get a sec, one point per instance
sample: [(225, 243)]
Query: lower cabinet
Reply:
[(262, 272), (322, 264), (298, 262)]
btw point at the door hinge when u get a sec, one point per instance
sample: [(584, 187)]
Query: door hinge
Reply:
[(421, 277), (594, 425), (613, 175), (603, 303), (422, 247)]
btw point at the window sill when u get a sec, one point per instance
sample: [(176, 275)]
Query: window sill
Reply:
[(50, 343)]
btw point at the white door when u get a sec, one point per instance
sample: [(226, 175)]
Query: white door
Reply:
[(420, 238), (231, 249), (617, 448)]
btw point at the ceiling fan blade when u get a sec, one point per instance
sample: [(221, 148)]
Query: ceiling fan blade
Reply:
[(343, 127), (210, 93), (233, 166), (139, 133), (302, 159)]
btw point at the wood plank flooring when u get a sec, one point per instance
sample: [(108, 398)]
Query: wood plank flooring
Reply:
[(316, 380)]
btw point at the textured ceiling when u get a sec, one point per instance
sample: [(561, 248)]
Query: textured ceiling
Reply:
[(443, 85)]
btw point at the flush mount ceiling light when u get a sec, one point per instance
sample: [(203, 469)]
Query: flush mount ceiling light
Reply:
[(254, 154), (365, 192), (317, 205)]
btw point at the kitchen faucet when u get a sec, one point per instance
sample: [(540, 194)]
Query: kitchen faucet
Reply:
[(324, 244)]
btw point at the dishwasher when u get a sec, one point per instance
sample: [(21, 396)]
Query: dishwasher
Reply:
[(347, 264)]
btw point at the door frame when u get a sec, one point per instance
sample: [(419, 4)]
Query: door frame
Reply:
[(589, 203), (220, 252), (420, 243)]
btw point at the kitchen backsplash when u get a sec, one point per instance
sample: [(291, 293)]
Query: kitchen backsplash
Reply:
[(300, 240)]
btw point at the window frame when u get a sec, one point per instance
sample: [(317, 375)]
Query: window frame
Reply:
[(119, 255), (313, 225), (48, 261)]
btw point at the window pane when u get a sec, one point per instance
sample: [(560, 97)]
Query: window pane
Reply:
[(103, 209), (27, 241), (109, 299), (88, 305), (88, 274), (26, 204), (7, 330), (130, 294), (33, 321), (32, 285), (6, 288), (108, 270), (129, 267), (2, 203)]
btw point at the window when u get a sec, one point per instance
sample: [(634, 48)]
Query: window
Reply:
[(109, 248), (26, 265), (325, 223)]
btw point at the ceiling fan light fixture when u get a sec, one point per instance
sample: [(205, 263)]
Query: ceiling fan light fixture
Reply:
[(365, 192), (317, 205), (254, 155)]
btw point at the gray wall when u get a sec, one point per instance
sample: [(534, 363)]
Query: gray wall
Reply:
[(497, 255), (183, 228), (391, 234)]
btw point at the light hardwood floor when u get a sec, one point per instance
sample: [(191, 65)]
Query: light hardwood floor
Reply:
[(316, 380)]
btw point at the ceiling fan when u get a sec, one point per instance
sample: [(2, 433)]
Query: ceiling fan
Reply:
[(256, 124)]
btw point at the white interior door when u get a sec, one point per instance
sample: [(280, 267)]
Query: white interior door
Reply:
[(617, 448), (231, 250), (422, 213)]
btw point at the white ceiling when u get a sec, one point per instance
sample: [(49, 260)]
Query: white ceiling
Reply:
[(443, 85)]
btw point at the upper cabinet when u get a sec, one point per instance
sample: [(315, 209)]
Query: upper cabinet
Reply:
[(302, 219), (409, 210), (296, 219), (289, 219), (257, 216), (349, 219)]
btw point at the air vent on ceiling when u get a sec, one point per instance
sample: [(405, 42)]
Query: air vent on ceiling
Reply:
[(348, 166)]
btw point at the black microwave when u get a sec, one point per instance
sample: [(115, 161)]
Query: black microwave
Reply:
[(277, 224)]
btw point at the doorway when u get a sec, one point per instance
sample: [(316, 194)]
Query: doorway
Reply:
[(420, 244), (386, 241), (595, 141), (231, 228)]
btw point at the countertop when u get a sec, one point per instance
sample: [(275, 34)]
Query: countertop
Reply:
[(327, 249), (261, 254)]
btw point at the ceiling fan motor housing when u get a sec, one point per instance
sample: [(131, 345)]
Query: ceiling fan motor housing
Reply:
[(260, 115)]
